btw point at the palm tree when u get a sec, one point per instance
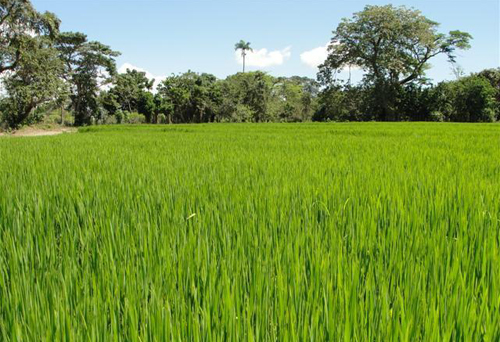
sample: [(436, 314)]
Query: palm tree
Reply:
[(244, 47)]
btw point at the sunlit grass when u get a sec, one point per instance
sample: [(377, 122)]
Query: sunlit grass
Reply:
[(255, 232)]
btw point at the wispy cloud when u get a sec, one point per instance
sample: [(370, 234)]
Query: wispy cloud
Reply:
[(262, 58)]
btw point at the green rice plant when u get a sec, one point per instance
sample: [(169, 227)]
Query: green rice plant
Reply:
[(252, 232)]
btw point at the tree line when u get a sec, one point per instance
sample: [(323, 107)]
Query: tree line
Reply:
[(65, 77)]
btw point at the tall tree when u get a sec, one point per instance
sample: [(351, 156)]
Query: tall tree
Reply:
[(20, 23), (243, 47), (129, 87), (393, 45), (89, 66), (35, 82)]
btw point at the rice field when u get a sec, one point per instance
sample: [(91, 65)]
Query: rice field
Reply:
[(252, 232)]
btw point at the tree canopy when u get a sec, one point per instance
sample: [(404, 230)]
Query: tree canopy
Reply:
[(393, 45), (89, 65), (243, 47), (20, 24)]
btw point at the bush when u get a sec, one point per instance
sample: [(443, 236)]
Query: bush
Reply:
[(436, 116), (136, 118), (69, 120), (121, 116), (111, 120), (161, 119), (52, 119), (243, 113)]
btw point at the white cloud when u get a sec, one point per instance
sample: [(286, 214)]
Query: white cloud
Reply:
[(263, 58), (315, 57), (158, 79)]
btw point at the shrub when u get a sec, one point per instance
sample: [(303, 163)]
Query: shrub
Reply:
[(52, 119), (136, 118), (243, 113), (111, 120), (162, 119), (121, 116), (69, 120), (436, 116)]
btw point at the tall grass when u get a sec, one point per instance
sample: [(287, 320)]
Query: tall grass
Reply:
[(252, 232)]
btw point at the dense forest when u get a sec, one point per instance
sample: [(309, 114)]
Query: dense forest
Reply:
[(63, 77)]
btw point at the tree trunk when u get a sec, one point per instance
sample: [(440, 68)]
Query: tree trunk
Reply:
[(386, 97), (19, 119)]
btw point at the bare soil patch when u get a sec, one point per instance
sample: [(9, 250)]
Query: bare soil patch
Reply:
[(37, 131)]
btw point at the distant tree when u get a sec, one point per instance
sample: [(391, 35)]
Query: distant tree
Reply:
[(393, 45), (109, 102), (470, 99), (241, 96), (20, 23), (189, 97), (493, 76), (88, 66), (257, 96), (146, 106), (292, 99), (334, 105), (163, 108), (243, 47), (307, 84), (129, 87)]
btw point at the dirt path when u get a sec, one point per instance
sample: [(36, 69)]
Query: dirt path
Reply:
[(38, 132)]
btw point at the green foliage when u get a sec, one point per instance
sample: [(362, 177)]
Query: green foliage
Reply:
[(52, 119), (252, 90), (161, 119), (121, 116), (342, 104), (470, 99), (36, 81), (146, 106), (108, 101), (291, 100), (85, 62), (493, 76), (111, 120), (243, 47), (21, 25), (28, 63), (268, 232), (393, 45), (135, 118), (243, 113), (189, 97), (129, 87)]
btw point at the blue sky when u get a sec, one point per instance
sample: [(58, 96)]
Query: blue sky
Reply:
[(171, 36)]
